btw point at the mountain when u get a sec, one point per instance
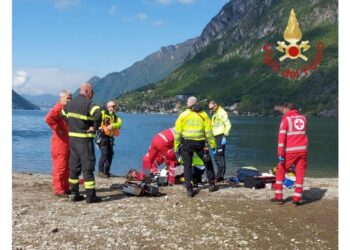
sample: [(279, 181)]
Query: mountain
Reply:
[(18, 102), (45, 100), (226, 61), (151, 69)]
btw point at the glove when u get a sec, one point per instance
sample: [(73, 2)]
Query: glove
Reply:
[(214, 151), (223, 141), (281, 158)]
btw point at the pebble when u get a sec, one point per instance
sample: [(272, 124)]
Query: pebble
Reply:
[(242, 243)]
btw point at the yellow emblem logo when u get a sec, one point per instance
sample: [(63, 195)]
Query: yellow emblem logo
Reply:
[(293, 35)]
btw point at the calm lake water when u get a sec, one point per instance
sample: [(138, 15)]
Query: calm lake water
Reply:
[(253, 141)]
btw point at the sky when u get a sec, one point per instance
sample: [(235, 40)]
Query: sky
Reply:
[(60, 43)]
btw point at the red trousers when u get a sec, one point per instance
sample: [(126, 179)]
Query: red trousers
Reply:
[(300, 162), (60, 172)]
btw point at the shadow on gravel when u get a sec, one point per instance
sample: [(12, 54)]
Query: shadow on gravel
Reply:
[(311, 195), (113, 197)]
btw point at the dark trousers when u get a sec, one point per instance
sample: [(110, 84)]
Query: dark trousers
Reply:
[(220, 157), (105, 162), (190, 146), (81, 158)]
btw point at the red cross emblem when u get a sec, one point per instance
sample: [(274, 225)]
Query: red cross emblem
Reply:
[(299, 124)]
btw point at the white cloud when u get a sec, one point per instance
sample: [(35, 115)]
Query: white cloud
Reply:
[(65, 4), (141, 16), (21, 79), (157, 23), (40, 80), (112, 10)]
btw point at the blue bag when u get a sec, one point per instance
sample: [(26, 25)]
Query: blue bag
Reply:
[(243, 172)]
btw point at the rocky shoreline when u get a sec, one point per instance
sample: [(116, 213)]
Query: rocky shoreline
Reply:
[(231, 218)]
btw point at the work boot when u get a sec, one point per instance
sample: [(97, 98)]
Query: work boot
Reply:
[(213, 188), (297, 203), (278, 201), (102, 175), (190, 192), (91, 196), (75, 195)]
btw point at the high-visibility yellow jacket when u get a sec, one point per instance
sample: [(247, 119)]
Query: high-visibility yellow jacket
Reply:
[(195, 126), (111, 119), (220, 122)]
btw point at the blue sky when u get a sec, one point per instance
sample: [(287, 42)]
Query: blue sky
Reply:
[(60, 43)]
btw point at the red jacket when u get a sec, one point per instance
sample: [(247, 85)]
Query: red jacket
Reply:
[(164, 139), (292, 136), (60, 139)]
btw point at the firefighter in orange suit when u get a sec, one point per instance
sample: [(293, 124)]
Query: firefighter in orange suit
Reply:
[(161, 150), (59, 146), (292, 150)]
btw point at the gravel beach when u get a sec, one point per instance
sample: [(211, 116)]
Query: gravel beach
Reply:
[(231, 218)]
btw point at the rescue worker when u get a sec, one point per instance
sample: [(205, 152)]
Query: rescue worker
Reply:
[(292, 150), (110, 126), (161, 150), (59, 146), (221, 128), (192, 130), (84, 118)]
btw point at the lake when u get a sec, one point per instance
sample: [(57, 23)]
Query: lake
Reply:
[(252, 142)]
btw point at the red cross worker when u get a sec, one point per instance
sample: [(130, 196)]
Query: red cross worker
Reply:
[(292, 150)]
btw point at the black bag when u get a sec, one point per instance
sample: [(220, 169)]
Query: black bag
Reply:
[(243, 172), (252, 182)]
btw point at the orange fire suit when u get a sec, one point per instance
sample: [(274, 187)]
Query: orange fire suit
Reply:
[(59, 149)]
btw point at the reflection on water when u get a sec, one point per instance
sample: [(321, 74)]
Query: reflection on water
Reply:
[(253, 141)]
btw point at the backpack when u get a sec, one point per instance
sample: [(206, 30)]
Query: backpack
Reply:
[(243, 172)]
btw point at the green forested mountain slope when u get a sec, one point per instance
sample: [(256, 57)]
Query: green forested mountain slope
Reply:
[(153, 68), (226, 61)]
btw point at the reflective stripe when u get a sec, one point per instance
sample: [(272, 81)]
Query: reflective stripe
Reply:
[(89, 184), (163, 137), (298, 185), (296, 133), (283, 131), (280, 144), (94, 108), (73, 181), (279, 182), (297, 194), (193, 131), (295, 148), (63, 113), (81, 135), (81, 117), (290, 125), (278, 191)]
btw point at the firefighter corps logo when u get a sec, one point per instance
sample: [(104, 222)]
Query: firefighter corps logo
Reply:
[(293, 48), (292, 34)]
